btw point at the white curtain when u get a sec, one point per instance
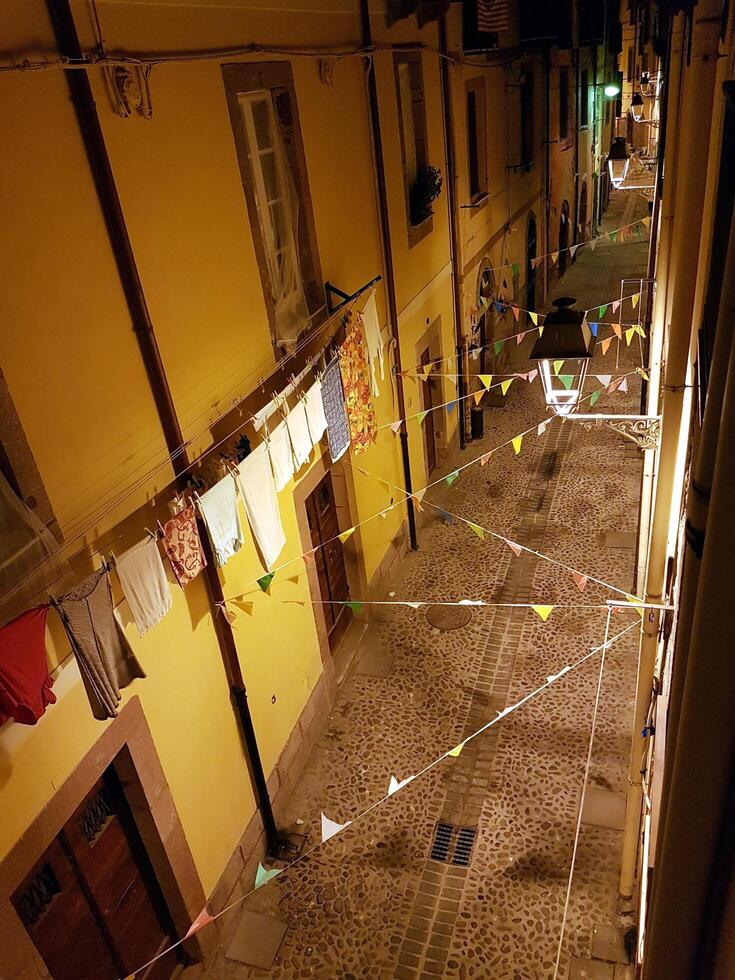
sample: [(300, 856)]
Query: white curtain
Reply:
[(25, 542)]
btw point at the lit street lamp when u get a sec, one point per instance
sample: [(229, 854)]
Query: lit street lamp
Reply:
[(563, 350), (617, 161), (636, 106)]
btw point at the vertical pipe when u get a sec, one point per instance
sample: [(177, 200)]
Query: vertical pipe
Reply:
[(452, 212), (547, 166), (695, 127), (390, 281), (104, 181)]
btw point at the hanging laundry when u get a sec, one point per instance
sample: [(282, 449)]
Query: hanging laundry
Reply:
[(219, 510), (356, 383), (371, 325), (315, 417), (105, 658), (183, 546), (143, 580), (298, 430), (281, 454), (25, 683), (338, 430), (258, 491)]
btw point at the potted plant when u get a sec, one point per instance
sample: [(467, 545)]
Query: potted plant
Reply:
[(425, 189)]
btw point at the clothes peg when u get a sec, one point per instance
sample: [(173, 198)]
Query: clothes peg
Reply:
[(159, 528)]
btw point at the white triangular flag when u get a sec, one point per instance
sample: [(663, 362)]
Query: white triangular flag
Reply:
[(471, 602), (331, 827), (394, 785), (623, 386), (604, 379)]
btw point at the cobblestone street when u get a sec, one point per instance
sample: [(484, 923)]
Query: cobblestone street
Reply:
[(372, 902)]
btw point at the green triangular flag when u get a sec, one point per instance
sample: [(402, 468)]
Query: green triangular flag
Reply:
[(497, 347), (262, 875), (602, 311), (477, 530), (451, 477), (516, 268), (566, 380), (356, 607), (421, 416), (558, 365), (265, 581), (613, 236), (595, 397)]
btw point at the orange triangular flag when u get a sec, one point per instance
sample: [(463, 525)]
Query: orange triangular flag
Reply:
[(478, 397), (606, 345), (618, 330), (485, 458), (554, 257), (515, 548), (543, 612), (516, 311), (580, 580)]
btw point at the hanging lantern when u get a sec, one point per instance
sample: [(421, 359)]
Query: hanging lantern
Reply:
[(617, 161), (563, 352), (636, 106)]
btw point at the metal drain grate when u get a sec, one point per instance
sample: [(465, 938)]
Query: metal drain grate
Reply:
[(452, 844)]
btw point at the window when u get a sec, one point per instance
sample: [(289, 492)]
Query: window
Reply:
[(412, 126), (262, 104), (527, 120), (584, 98), (476, 139), (563, 103)]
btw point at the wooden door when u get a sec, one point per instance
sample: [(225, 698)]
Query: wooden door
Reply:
[(91, 905), (329, 559), (427, 397)]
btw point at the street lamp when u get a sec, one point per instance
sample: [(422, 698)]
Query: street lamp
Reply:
[(636, 106), (563, 350), (617, 161), (611, 90)]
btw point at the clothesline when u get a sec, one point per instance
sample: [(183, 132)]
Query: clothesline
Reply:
[(265, 876)]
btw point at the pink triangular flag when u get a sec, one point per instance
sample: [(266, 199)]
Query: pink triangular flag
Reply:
[(580, 580), (532, 375), (623, 386), (615, 305), (515, 548), (519, 338), (202, 920), (485, 458), (396, 426), (516, 311)]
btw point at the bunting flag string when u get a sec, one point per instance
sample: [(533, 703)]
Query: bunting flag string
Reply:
[(264, 876)]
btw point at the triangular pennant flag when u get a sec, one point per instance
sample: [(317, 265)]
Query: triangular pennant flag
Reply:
[(516, 313), (639, 330), (567, 380), (356, 607), (485, 458), (454, 753), (247, 607), (555, 677), (580, 581), (572, 250), (519, 338), (331, 827), (413, 605), (617, 330), (629, 335), (396, 426), (593, 242), (606, 345), (478, 396), (497, 347), (202, 920), (420, 416), (451, 477), (554, 257), (604, 379), (487, 379), (536, 262), (534, 318), (532, 375), (426, 371), (616, 305), (451, 378), (227, 614), (451, 407), (516, 444), (262, 875), (504, 385), (419, 495), (558, 365), (543, 612), (613, 236), (476, 529), (593, 328), (484, 302), (595, 397), (516, 268), (265, 581), (542, 427), (515, 548), (623, 386), (646, 221), (635, 601), (471, 602), (602, 311), (394, 785), (499, 308), (417, 501), (346, 535), (643, 374)]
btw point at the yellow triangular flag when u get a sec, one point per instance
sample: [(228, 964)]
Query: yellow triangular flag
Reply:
[(635, 601), (646, 221), (478, 397), (634, 299), (541, 331), (558, 365), (426, 371), (456, 750), (345, 535), (629, 335), (554, 257), (487, 379), (516, 443), (534, 318), (504, 385), (639, 330), (543, 611), (477, 530)]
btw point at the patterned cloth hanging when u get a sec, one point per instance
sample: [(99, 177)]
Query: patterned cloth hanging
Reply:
[(356, 384), (183, 546), (338, 429)]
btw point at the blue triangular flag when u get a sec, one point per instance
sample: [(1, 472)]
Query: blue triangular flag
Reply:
[(447, 518), (451, 407), (593, 328), (499, 307), (262, 876)]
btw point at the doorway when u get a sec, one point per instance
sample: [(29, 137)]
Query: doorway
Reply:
[(583, 212), (428, 401), (563, 238), (329, 559), (531, 245), (91, 904)]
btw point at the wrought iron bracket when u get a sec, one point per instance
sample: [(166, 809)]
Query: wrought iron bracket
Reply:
[(643, 430), (331, 290)]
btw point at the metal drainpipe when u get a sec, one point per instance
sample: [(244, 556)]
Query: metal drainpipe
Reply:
[(457, 272), (547, 167), (104, 181), (390, 282), (577, 105), (695, 126)]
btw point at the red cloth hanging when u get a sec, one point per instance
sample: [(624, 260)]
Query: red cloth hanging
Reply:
[(25, 683)]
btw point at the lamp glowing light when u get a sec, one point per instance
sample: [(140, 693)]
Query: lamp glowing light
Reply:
[(636, 106), (611, 90), (566, 337), (617, 161)]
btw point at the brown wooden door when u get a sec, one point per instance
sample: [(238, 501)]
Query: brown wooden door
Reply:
[(329, 559), (427, 397), (100, 912)]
